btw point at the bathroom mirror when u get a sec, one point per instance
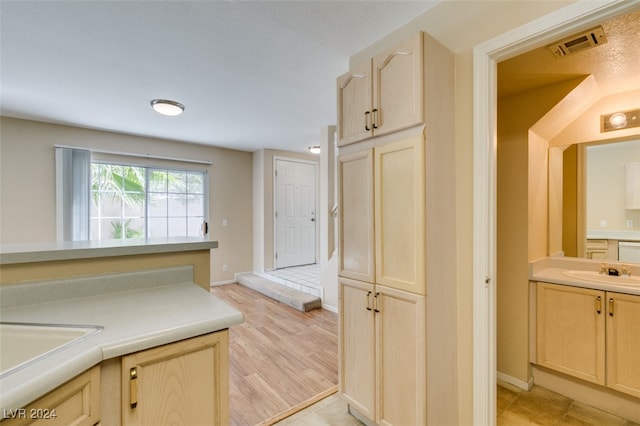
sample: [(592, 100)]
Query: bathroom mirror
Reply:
[(596, 185)]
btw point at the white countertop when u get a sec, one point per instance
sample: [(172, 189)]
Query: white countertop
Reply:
[(134, 317), (552, 270), (66, 250), (605, 234)]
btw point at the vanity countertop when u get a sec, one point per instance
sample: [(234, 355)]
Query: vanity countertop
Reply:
[(67, 250), (136, 310), (555, 270)]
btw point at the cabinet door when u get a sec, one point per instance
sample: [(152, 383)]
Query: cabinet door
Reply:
[(354, 105), (571, 331), (77, 402), (623, 343), (182, 383), (357, 345), (399, 215), (356, 216), (401, 357), (397, 87)]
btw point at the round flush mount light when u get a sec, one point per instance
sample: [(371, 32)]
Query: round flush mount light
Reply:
[(166, 107), (315, 149), (618, 120)]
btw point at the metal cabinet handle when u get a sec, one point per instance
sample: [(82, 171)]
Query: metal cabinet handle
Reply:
[(375, 302), (374, 114), (367, 117), (133, 387), (368, 301), (611, 306), (598, 304)]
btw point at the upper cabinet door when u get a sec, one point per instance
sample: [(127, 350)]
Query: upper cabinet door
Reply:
[(354, 105), (397, 87), (356, 216), (382, 95), (400, 214)]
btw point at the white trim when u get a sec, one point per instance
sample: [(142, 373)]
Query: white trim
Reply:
[(573, 17), (330, 308), (217, 283), (521, 384)]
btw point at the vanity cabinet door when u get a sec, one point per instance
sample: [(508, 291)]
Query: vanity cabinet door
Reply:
[(571, 331), (184, 383), (623, 343)]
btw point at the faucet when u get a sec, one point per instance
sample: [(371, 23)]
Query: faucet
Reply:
[(612, 270)]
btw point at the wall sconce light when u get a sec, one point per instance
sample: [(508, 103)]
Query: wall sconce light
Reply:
[(315, 149), (166, 107), (619, 120)]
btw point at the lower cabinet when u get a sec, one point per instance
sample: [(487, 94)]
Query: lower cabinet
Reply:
[(76, 402), (589, 334), (186, 383), (382, 352)]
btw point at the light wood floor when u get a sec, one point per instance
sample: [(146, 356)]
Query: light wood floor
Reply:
[(279, 357)]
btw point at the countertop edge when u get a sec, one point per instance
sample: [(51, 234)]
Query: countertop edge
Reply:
[(46, 252)]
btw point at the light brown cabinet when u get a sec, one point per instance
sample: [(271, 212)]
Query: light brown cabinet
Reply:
[(623, 343), (382, 95), (589, 334), (77, 402), (382, 215), (181, 383), (383, 352), (382, 284)]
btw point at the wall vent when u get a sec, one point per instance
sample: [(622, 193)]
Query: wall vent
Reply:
[(579, 42)]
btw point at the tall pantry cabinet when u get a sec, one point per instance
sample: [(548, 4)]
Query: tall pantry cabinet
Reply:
[(386, 136)]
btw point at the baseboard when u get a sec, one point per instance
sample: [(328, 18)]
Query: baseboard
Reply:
[(330, 308), (217, 283), (521, 384)]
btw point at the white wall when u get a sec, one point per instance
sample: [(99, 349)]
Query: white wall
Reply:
[(27, 185)]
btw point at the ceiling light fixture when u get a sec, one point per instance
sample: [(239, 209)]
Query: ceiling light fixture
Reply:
[(315, 149), (620, 120), (166, 107)]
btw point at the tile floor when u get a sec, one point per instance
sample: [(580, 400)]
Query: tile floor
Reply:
[(544, 407), (302, 278), (515, 408)]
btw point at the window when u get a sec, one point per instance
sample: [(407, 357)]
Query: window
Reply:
[(132, 202)]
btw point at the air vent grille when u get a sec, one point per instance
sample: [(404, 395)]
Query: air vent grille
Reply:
[(579, 42)]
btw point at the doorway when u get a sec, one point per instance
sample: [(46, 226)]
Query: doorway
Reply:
[(486, 56), (295, 212)]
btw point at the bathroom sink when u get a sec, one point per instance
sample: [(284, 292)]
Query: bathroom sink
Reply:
[(602, 278), (23, 343)]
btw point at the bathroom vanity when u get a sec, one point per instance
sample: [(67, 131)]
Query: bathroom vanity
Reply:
[(585, 326)]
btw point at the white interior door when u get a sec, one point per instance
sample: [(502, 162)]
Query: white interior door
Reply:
[(295, 203)]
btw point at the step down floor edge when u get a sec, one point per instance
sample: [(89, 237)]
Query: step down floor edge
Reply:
[(296, 299)]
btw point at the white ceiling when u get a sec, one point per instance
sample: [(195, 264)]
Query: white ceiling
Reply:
[(252, 74)]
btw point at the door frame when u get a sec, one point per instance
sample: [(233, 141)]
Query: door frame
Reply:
[(539, 32), (315, 164)]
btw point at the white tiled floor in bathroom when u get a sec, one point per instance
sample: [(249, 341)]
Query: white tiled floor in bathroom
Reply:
[(302, 278)]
